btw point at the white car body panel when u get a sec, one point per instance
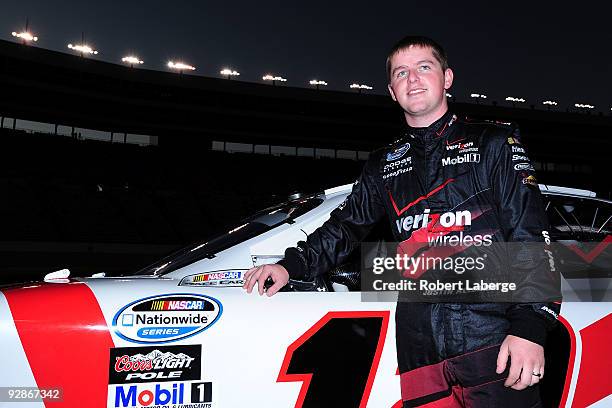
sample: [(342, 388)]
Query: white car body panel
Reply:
[(244, 351), (14, 360)]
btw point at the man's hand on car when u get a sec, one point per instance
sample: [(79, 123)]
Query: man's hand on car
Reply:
[(526, 365), (259, 274)]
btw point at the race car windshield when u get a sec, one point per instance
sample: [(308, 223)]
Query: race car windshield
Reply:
[(248, 228)]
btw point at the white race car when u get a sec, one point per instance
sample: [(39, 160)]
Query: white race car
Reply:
[(183, 333)]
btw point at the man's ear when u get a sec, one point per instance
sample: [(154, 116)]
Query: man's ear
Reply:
[(392, 93), (448, 78)]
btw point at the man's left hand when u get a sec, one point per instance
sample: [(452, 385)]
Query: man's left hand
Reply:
[(527, 360)]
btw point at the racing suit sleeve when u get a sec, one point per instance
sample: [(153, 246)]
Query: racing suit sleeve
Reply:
[(330, 244), (524, 222)]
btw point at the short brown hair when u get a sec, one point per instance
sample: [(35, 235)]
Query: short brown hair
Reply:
[(419, 41)]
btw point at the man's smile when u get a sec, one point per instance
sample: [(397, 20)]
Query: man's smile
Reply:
[(416, 91)]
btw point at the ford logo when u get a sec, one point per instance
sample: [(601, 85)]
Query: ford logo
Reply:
[(398, 153)]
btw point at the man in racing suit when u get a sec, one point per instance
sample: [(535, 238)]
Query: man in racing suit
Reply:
[(454, 354)]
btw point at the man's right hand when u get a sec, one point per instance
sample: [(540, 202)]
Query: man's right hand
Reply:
[(259, 274)]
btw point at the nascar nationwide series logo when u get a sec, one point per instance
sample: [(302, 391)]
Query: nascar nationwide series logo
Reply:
[(166, 318), (220, 278), (154, 364)]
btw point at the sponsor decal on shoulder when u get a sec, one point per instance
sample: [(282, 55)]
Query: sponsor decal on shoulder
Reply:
[(166, 318), (513, 140), (530, 180), (524, 166), (175, 395), (517, 149), (218, 278), (399, 152), (154, 364), (457, 145), (517, 157), (551, 258), (550, 311), (397, 172), (397, 164), (464, 158), (397, 167)]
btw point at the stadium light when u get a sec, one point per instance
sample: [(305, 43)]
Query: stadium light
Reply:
[(82, 48), (549, 103), (229, 73), (584, 106), (478, 97), (359, 87), (180, 66), (25, 36), (317, 83), (132, 60), (273, 78), (448, 95), (514, 100)]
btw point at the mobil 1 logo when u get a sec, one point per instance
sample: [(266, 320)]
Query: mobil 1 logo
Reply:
[(155, 364), (193, 394), (201, 392)]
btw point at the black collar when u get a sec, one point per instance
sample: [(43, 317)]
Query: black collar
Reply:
[(435, 130)]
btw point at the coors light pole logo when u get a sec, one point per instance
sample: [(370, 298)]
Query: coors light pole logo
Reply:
[(154, 364)]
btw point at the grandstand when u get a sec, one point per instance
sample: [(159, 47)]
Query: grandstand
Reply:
[(106, 168)]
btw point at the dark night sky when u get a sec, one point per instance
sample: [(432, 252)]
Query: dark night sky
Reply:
[(536, 49)]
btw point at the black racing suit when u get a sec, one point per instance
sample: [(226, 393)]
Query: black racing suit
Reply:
[(446, 350)]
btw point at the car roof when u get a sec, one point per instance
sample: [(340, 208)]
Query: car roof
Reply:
[(544, 188), (567, 190)]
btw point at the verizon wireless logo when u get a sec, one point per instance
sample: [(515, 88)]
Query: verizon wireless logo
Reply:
[(459, 146)]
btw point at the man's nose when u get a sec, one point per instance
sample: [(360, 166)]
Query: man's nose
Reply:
[(413, 76)]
